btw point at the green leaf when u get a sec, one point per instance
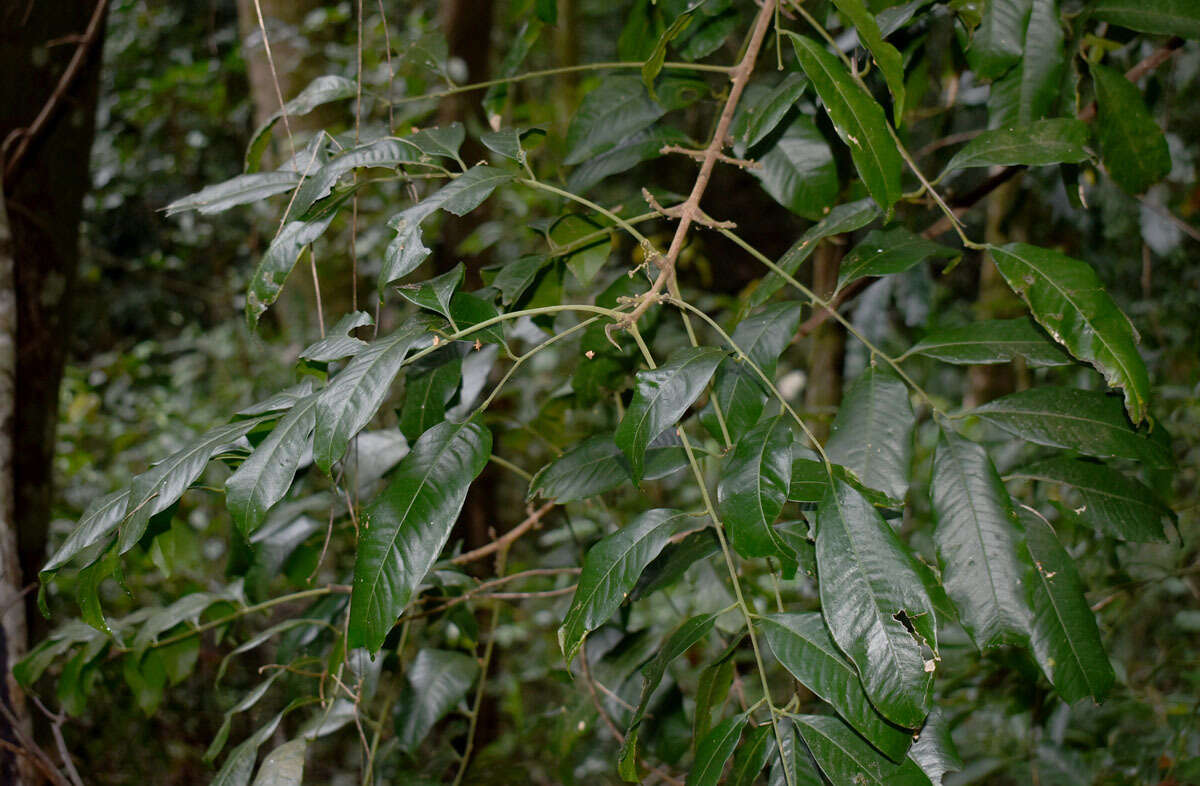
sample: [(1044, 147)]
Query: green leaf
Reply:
[(440, 141), (276, 265), (386, 153), (518, 276), (978, 540), (763, 115), (858, 120), (883, 252), (322, 90), (99, 520), (1162, 17), (1081, 420), (586, 261), (674, 561), (654, 63), (265, 477), (689, 632), (991, 341), (1043, 142), (236, 191), (1063, 634), (645, 145), (437, 680), (870, 594), (338, 343), (999, 42), (752, 756), (248, 700), (436, 293), (426, 395), (798, 169), (934, 751), (712, 688), (610, 570), (841, 219), (496, 97), (661, 397), (1113, 502), (803, 646), (591, 467), (1042, 64), (349, 402), (239, 765), (754, 486), (887, 57), (161, 486), (1068, 300), (714, 750), (283, 766), (469, 190), (618, 108), (409, 523), (872, 432), (844, 757), (1132, 146), (709, 34)]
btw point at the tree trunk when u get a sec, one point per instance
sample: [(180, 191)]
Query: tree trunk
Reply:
[(50, 58), (826, 348)]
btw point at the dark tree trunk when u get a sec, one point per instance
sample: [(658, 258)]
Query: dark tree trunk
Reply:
[(827, 346), (47, 126)]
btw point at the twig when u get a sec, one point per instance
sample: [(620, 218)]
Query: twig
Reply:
[(56, 722), (690, 210), (529, 523), (28, 135), (29, 748)]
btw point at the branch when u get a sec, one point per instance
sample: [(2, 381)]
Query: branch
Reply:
[(690, 211), (534, 517), (30, 134), (964, 203)]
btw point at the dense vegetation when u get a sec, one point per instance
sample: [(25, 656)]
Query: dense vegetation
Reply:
[(449, 427)]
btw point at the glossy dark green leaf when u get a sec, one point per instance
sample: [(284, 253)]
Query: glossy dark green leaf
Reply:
[(709, 33), (658, 55), (1132, 146), (1068, 300), (386, 153), (742, 397), (1112, 502), (1042, 65), (283, 766), (239, 190), (841, 219), (437, 680), (591, 467), (642, 146), (858, 120), (338, 343), (469, 190), (320, 91), (661, 397), (712, 688), (247, 701), (1043, 142), (978, 540), (754, 486), (1162, 17), (277, 264), (844, 757), (991, 341), (870, 594), (279, 402), (611, 569), (496, 97), (467, 310), (436, 293), (409, 523), (1063, 634), (872, 432), (674, 561), (752, 756), (689, 632), (265, 477), (803, 645), (161, 486), (99, 521), (439, 141), (517, 276), (886, 251), (587, 260), (425, 398), (714, 750), (764, 114), (618, 108), (887, 57), (934, 750), (797, 170), (1080, 420), (998, 43), (349, 402)]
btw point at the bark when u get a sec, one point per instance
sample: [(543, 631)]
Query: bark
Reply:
[(827, 347), (47, 128)]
